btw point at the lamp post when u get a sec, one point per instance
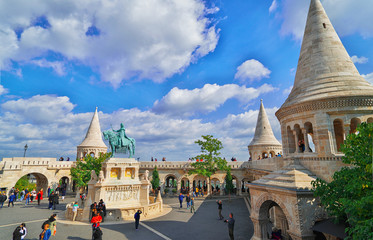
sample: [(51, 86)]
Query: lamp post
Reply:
[(24, 154)]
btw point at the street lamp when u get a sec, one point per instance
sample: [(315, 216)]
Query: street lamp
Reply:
[(24, 154)]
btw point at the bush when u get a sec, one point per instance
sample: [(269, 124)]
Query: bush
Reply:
[(166, 190), (174, 190)]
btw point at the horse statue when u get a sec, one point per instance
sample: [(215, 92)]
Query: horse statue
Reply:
[(119, 142)]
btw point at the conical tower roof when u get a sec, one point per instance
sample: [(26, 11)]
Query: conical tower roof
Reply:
[(325, 69), (263, 131), (93, 137)]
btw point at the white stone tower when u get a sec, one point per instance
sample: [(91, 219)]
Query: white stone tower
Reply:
[(329, 98), (264, 143), (92, 143)]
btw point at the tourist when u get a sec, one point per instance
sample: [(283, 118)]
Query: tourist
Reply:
[(82, 198), (22, 195), (3, 198), (152, 159), (230, 222), (38, 197), (11, 191), (75, 210), (23, 230), (27, 197), (155, 159), (63, 193), (97, 234), (102, 209), (50, 200), (93, 211), (46, 233), (188, 201), (192, 209), (220, 208), (163, 159), (33, 195), (11, 200), (53, 224), (68, 159), (16, 193), (49, 191), (96, 220), (137, 219), (181, 197), (18, 232), (197, 193)]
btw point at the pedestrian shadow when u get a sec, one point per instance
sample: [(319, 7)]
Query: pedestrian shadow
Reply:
[(75, 238)]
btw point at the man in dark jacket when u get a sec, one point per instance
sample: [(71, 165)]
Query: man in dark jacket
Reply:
[(17, 234), (97, 234), (55, 200), (220, 208), (3, 198), (11, 200), (50, 200), (102, 209), (230, 222), (137, 219)]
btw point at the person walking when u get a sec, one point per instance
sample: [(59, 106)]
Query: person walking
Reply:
[(96, 220), (46, 233), (192, 209), (49, 191), (22, 195), (220, 208), (3, 198), (27, 197), (97, 234), (17, 233), (75, 210), (63, 193), (55, 200), (50, 200), (11, 200), (38, 196), (188, 201), (230, 222), (102, 209), (181, 197), (33, 195), (23, 231), (137, 219), (53, 224)]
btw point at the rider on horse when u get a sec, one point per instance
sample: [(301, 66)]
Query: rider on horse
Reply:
[(122, 134)]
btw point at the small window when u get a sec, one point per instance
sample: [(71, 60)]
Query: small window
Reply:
[(324, 25)]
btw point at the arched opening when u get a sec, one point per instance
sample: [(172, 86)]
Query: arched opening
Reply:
[(291, 140), (272, 154), (370, 120), (33, 181), (245, 186), (215, 186), (299, 136), (273, 221), (235, 185), (338, 133), (309, 140), (185, 185), (264, 155), (171, 181), (355, 122), (92, 154)]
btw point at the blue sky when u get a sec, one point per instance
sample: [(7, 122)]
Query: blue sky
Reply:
[(170, 70)]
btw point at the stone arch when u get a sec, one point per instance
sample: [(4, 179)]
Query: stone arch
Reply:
[(338, 133), (291, 140), (167, 179), (370, 120), (272, 154), (216, 185), (272, 215), (65, 182), (354, 123), (264, 154), (299, 138), (41, 181)]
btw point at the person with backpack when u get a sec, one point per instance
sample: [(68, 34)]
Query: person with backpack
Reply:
[(11, 200), (137, 219), (27, 197), (53, 224), (188, 201), (3, 198), (17, 233), (46, 233), (97, 234), (23, 231)]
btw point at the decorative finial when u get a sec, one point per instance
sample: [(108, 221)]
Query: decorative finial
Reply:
[(96, 108), (261, 100)]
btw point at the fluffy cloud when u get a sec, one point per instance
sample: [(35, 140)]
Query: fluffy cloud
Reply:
[(57, 66), (3, 90), (184, 102), (121, 39), (293, 14), (251, 70), (273, 6), (368, 77), (361, 60), (156, 135)]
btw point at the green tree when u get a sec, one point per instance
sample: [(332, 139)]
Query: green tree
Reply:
[(229, 182), (23, 183), (212, 162), (81, 173), (155, 179), (349, 196)]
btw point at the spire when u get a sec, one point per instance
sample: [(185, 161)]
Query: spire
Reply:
[(93, 137), (263, 131), (325, 69)]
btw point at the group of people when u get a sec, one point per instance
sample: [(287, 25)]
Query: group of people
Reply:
[(189, 200), (18, 196), (62, 159), (49, 228), (155, 159)]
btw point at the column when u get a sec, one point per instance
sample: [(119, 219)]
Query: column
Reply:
[(178, 186), (221, 187), (306, 144), (347, 130), (297, 149)]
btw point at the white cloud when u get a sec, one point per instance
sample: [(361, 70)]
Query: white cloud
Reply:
[(273, 6), (251, 70), (151, 39), (361, 60), (3, 90), (57, 66), (184, 102), (294, 14), (368, 77), (58, 130), (287, 90)]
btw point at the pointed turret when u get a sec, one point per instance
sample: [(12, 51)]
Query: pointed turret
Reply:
[(325, 69), (264, 140), (92, 142)]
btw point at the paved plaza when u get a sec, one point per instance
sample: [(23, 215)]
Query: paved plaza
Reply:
[(178, 224)]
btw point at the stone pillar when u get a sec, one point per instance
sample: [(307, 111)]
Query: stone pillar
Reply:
[(239, 187), (297, 149), (347, 130), (208, 186), (306, 143), (178, 188)]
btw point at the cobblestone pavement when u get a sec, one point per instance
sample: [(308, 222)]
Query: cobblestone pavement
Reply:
[(178, 224)]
